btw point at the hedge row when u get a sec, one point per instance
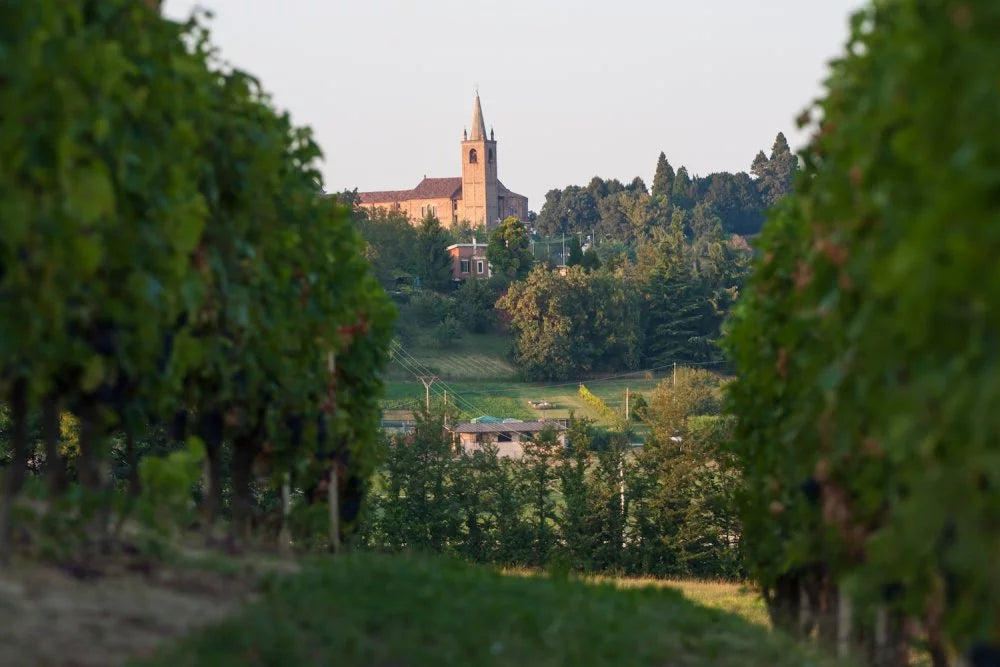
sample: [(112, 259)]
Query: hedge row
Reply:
[(167, 256), (868, 346)]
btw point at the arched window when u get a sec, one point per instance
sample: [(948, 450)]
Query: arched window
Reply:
[(489, 156), (473, 158)]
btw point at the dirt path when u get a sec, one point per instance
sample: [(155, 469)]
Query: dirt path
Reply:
[(71, 617)]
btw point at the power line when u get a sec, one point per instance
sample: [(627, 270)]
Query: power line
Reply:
[(418, 370), (422, 369), (399, 349)]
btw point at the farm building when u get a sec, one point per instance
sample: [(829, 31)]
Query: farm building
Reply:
[(508, 435), (398, 421)]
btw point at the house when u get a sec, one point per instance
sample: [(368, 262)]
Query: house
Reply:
[(468, 260), (508, 435), (477, 195)]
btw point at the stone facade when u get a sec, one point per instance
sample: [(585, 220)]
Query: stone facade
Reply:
[(477, 195)]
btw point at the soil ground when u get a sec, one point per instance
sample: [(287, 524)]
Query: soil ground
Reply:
[(122, 609)]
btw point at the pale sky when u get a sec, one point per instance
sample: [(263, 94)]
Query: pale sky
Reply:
[(573, 88)]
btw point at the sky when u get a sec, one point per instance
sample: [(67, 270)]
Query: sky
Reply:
[(573, 88)]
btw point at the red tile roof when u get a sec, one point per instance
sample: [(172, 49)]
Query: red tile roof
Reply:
[(384, 196), (429, 188), (438, 188)]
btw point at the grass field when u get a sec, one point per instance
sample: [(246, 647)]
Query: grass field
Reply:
[(510, 398), (363, 609), (480, 381)]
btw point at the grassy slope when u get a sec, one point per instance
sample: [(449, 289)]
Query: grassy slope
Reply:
[(471, 357), (379, 610)]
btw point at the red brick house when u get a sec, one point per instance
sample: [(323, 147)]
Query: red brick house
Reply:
[(468, 260)]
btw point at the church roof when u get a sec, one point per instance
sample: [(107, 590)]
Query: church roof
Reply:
[(437, 188), (478, 126), (382, 196), (429, 188)]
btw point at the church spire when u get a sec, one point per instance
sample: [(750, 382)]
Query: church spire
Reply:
[(478, 126)]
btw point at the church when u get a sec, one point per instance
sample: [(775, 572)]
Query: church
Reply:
[(477, 195)]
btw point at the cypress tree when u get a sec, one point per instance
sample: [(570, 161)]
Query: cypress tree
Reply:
[(663, 179), (681, 193), (575, 252), (434, 262)]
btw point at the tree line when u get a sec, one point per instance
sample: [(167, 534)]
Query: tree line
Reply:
[(663, 304), (608, 210), (596, 505), (169, 273)]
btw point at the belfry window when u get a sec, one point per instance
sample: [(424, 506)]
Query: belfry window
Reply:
[(489, 156), (473, 158)]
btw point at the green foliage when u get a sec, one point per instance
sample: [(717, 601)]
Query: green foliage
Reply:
[(572, 324), (611, 211), (575, 255), (509, 250), (688, 291), (775, 174), (602, 409), (474, 306), (390, 240), (663, 178), (865, 341), (590, 261), (449, 332), (166, 249), (167, 484), (427, 308), (594, 505), (433, 263)]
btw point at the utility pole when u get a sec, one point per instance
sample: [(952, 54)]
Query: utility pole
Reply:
[(333, 487), (427, 381), (675, 375)]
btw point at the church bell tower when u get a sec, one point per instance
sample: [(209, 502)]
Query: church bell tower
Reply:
[(479, 173)]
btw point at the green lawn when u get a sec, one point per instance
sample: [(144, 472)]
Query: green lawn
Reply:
[(364, 609)]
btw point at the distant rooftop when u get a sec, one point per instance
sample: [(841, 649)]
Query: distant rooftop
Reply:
[(508, 427)]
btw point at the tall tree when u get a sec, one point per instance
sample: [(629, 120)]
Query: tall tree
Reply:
[(575, 255), (509, 250), (433, 261), (539, 476), (637, 186), (783, 164), (681, 195), (389, 242), (775, 174), (759, 168), (663, 179)]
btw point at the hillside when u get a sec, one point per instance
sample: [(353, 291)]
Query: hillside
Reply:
[(378, 610)]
